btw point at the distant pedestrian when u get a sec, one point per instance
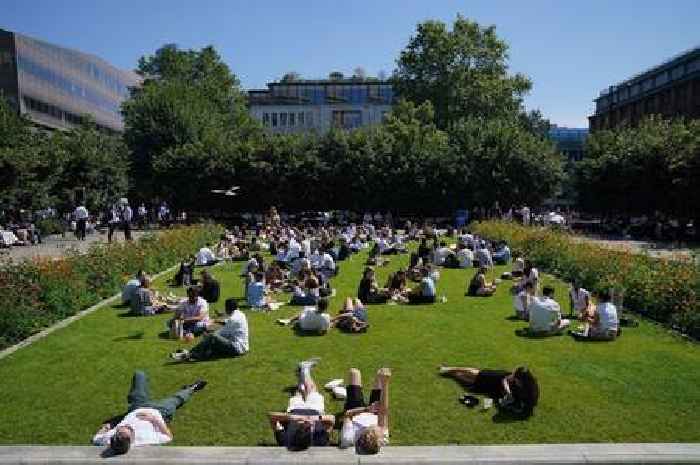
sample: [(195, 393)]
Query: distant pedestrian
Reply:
[(81, 216)]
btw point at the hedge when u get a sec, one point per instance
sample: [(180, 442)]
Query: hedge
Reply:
[(664, 289), (37, 293)]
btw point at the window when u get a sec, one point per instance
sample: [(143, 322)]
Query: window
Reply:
[(292, 120), (309, 119), (301, 118), (274, 120), (266, 119), (283, 119)]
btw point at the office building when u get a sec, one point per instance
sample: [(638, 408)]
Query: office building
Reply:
[(302, 105), (56, 87), (571, 142), (671, 89)]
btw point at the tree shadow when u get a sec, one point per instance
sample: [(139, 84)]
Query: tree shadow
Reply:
[(134, 336)]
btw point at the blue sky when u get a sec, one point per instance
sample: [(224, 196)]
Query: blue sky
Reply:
[(571, 50)]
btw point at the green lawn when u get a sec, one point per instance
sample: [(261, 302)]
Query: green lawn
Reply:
[(641, 388)]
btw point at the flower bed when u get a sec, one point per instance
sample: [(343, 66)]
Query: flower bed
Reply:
[(38, 293), (666, 290)]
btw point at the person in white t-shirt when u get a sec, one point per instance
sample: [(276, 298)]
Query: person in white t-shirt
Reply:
[(522, 301), (518, 267), (229, 341), (604, 324), (145, 422), (205, 256), (366, 424), (312, 319), (545, 315), (532, 275), (81, 216), (579, 300), (465, 256), (193, 313)]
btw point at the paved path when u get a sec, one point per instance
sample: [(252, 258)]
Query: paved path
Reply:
[(535, 454), (655, 249), (56, 246)]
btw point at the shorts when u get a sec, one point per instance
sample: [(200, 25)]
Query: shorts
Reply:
[(314, 401), (355, 398)]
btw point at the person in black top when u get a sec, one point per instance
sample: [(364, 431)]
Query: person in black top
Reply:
[(423, 249), (368, 291), (516, 392), (210, 289)]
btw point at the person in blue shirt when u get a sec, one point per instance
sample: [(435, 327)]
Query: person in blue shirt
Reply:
[(425, 293), (256, 292), (502, 255)]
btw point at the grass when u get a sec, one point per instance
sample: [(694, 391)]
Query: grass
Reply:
[(641, 388)]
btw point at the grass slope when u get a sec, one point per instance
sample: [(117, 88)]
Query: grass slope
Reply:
[(642, 388)]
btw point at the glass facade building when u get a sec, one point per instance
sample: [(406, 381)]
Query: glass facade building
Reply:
[(571, 142), (56, 87), (318, 105)]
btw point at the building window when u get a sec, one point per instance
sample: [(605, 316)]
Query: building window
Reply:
[(283, 119), (292, 120), (309, 119), (301, 118), (274, 120), (347, 119), (266, 119)]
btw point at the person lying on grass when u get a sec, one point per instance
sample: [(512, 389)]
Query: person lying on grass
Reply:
[(516, 393), (146, 302), (353, 318), (366, 424), (145, 421), (545, 314), (312, 319), (478, 286), (425, 292), (192, 313), (229, 341), (603, 324), (305, 423)]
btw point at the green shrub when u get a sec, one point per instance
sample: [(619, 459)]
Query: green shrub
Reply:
[(37, 293), (50, 226), (666, 290)]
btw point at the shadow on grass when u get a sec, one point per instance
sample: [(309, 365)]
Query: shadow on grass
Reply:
[(120, 305), (527, 334), (134, 336), (513, 318)]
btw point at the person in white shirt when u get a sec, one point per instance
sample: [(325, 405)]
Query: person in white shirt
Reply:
[(522, 300), (312, 319), (229, 341), (327, 266), (127, 216), (205, 257), (81, 216), (465, 257), (483, 255), (545, 315), (366, 424), (192, 313), (441, 253), (145, 422), (518, 267), (530, 274), (579, 300), (604, 324)]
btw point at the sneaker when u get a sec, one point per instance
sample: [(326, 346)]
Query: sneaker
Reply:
[(179, 355), (312, 362), (333, 383), (197, 385), (284, 322)]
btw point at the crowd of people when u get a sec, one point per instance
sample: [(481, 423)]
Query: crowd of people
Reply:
[(302, 262)]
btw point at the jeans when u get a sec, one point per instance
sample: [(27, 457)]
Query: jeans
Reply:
[(139, 397), (212, 346)]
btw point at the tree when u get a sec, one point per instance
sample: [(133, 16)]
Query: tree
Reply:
[(462, 71), (291, 76), (188, 98), (359, 73)]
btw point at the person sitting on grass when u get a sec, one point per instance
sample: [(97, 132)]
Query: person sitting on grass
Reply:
[(145, 302), (479, 287), (310, 294), (205, 257), (516, 393), (441, 254), (502, 254), (531, 274), (305, 423), (231, 340), (192, 313), (545, 314), (353, 318), (274, 276), (145, 422), (368, 291), (579, 301), (312, 319), (131, 286), (483, 256), (425, 292), (257, 293), (522, 301), (397, 286), (366, 424), (184, 275), (464, 256), (209, 288), (603, 325)]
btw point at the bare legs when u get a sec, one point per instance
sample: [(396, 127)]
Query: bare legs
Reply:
[(462, 374)]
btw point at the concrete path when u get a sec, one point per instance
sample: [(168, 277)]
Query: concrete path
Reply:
[(454, 455), (56, 245)]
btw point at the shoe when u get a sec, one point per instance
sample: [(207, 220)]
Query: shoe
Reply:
[(333, 383), (197, 385), (339, 392), (179, 355), (312, 362)]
